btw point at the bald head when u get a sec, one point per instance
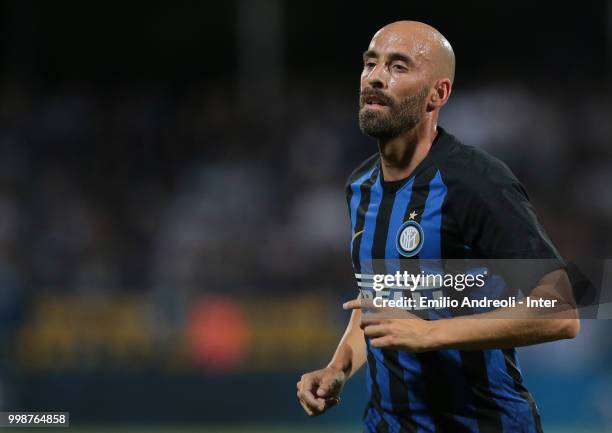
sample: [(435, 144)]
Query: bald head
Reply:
[(423, 43), (408, 71)]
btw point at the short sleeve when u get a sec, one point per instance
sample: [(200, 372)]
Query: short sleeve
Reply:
[(497, 220), (499, 224)]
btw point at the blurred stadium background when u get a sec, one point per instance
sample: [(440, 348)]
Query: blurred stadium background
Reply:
[(173, 229)]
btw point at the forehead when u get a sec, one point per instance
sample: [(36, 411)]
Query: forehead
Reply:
[(387, 41)]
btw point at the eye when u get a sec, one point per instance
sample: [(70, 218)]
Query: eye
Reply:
[(369, 64), (399, 67)]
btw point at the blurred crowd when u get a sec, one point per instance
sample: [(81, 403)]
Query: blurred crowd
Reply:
[(152, 189)]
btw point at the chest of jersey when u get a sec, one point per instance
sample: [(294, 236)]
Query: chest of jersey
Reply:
[(402, 224)]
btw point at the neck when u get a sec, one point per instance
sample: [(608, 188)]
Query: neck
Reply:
[(402, 154)]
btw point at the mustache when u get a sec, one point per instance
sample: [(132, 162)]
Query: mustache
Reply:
[(374, 93)]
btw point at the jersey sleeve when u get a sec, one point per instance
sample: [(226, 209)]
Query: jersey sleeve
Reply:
[(497, 222)]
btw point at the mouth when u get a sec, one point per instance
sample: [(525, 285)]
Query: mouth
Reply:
[(374, 102)]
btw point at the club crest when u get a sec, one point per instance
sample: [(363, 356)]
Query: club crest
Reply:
[(409, 238)]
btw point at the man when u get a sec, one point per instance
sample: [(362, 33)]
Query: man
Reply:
[(424, 196)]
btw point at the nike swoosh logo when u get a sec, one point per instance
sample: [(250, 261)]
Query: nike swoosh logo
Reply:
[(355, 235)]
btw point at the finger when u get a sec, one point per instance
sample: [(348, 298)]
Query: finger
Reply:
[(323, 391), (382, 342), (300, 387), (359, 303), (326, 404), (382, 313), (352, 304), (328, 385), (307, 409), (331, 402), (305, 386), (375, 331), (371, 319), (306, 395)]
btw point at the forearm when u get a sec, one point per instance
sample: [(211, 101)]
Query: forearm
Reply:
[(488, 332), (513, 327), (351, 352)]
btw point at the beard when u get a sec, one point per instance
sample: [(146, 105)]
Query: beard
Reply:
[(399, 117)]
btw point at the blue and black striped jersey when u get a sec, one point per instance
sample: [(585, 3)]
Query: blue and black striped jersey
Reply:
[(460, 201)]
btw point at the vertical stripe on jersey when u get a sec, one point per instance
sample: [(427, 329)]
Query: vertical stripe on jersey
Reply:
[(371, 420), (473, 362), (358, 189), (378, 372), (513, 370), (403, 395), (392, 375), (369, 227), (402, 198), (364, 206), (506, 396), (420, 396), (431, 219), (410, 362), (459, 391), (437, 392), (359, 204)]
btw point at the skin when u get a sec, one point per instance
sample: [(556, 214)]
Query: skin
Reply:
[(403, 59), (503, 328), (412, 62)]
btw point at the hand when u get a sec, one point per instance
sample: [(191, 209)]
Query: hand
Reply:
[(393, 328), (319, 390)]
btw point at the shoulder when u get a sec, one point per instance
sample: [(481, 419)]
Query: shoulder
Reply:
[(474, 170), (364, 169)]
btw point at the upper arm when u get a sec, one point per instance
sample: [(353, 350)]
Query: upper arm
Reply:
[(497, 221)]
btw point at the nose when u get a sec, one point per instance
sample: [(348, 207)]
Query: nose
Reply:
[(377, 77)]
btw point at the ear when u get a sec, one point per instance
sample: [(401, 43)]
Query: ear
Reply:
[(441, 91)]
